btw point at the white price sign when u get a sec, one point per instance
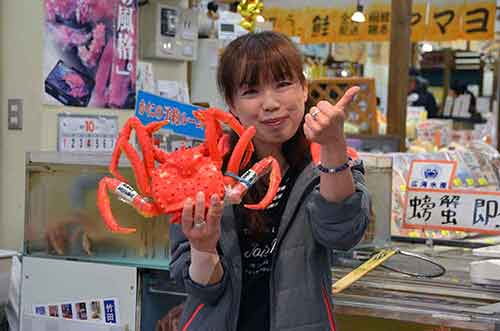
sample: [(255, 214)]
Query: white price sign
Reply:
[(87, 133), (456, 210)]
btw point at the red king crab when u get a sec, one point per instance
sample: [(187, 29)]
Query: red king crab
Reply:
[(165, 180)]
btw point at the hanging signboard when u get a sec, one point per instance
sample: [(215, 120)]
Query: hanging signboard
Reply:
[(478, 20), (319, 25), (438, 20), (419, 20), (444, 20), (378, 21)]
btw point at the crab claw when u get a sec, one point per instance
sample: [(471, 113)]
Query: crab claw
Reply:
[(128, 195), (251, 176)]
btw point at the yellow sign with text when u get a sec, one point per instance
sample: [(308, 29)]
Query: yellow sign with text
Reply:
[(378, 22), (319, 25), (439, 20), (478, 20), (418, 20), (444, 20)]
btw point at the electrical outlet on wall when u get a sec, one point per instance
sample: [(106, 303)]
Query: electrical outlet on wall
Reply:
[(15, 114)]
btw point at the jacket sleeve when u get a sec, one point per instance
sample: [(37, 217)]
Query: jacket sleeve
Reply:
[(340, 225), (179, 269)]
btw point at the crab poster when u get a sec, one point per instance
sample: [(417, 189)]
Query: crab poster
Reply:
[(90, 53)]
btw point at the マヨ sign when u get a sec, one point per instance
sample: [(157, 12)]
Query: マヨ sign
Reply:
[(152, 108)]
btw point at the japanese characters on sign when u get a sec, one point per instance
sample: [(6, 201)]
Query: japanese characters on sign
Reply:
[(418, 20), (434, 174), (444, 20), (378, 21), (438, 20), (347, 29), (321, 25), (432, 204), (125, 41), (153, 108), (453, 210), (479, 20)]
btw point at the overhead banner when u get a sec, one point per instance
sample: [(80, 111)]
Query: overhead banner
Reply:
[(319, 25), (478, 20), (419, 20), (90, 53), (445, 17), (378, 21), (437, 20)]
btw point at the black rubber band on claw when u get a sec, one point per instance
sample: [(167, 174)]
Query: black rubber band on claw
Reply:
[(239, 179)]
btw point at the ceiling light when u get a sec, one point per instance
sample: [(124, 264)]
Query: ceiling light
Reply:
[(358, 15), (426, 47)]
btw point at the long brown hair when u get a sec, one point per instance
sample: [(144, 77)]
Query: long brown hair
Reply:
[(255, 59)]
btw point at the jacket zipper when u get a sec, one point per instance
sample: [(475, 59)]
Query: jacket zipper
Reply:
[(328, 308), (190, 320)]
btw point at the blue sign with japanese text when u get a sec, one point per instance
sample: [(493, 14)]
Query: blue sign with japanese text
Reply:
[(153, 108), (110, 311)]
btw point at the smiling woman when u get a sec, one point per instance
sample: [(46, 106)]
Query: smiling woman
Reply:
[(253, 270)]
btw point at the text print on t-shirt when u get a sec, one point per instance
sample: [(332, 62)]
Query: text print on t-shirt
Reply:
[(258, 257)]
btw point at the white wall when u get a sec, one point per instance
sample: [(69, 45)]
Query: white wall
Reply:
[(21, 46)]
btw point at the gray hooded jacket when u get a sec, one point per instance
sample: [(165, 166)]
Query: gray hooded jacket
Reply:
[(300, 279)]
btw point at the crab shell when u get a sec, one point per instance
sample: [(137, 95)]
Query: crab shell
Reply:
[(173, 182)]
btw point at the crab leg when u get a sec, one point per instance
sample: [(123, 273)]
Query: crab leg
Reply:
[(233, 165), (128, 195), (142, 170), (123, 138), (212, 129), (234, 124), (250, 177)]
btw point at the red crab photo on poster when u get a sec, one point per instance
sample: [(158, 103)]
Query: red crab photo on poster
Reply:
[(90, 53)]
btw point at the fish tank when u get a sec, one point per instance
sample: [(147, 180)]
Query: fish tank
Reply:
[(62, 219)]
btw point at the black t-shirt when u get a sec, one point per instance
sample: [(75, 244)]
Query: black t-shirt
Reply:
[(257, 258)]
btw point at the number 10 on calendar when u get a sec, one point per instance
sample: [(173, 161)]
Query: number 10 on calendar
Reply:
[(87, 133)]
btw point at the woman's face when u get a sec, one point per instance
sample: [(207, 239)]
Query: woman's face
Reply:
[(275, 109)]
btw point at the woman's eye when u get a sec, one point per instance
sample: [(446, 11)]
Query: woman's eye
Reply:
[(284, 83), (249, 92)]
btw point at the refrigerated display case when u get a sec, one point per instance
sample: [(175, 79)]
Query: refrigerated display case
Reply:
[(63, 224)]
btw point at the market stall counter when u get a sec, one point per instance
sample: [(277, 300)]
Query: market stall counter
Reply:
[(386, 300)]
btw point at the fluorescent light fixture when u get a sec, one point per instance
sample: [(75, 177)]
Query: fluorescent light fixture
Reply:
[(358, 15)]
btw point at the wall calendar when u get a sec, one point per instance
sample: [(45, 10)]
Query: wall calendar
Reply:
[(87, 133)]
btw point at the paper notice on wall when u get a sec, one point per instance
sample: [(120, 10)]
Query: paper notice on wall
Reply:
[(145, 77), (171, 89)]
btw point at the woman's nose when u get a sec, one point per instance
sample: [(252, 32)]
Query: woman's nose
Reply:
[(270, 101)]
